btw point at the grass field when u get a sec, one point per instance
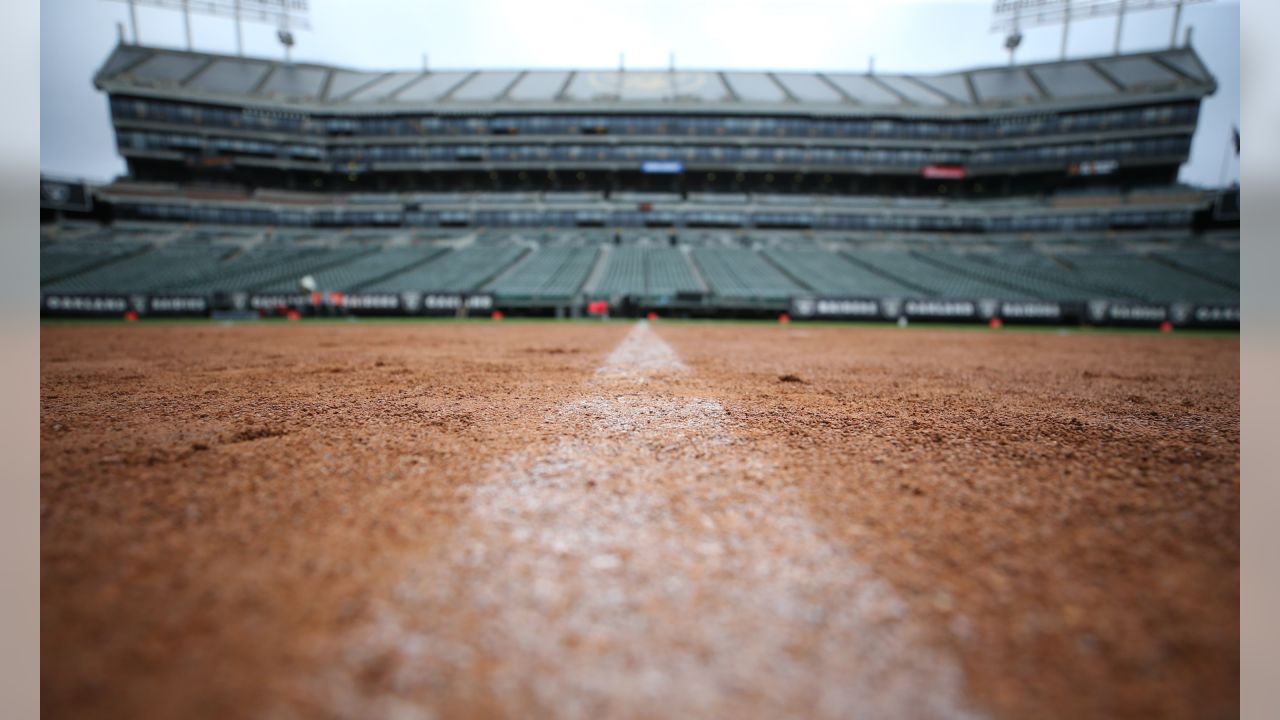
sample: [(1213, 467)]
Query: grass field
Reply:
[(585, 519), (698, 322)]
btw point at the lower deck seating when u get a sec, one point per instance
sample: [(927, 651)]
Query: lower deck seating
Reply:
[(914, 269), (1135, 275), (462, 270), (644, 272), (1219, 265), (365, 270), (709, 269), (266, 265), (828, 273), (549, 274), (743, 274), (166, 266)]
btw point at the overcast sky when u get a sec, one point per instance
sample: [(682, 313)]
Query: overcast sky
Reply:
[(825, 35)]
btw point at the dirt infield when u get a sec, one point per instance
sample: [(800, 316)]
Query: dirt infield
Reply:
[(584, 520)]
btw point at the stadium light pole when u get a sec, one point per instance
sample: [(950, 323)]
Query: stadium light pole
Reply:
[(286, 39), (1012, 15), (1066, 30), (133, 20), (239, 36), (1177, 20), (287, 15), (1014, 38), (1115, 50), (1011, 44)]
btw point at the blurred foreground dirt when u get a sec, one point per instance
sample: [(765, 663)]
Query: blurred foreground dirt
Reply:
[(281, 521)]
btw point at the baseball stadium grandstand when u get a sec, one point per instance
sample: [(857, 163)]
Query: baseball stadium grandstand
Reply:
[(1030, 193)]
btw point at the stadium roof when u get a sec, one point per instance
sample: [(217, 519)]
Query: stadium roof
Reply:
[(257, 82)]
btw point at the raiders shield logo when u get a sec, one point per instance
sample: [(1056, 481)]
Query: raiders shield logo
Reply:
[(1098, 310), (412, 301), (55, 193), (802, 307), (1179, 313), (240, 300), (891, 307), (988, 308)]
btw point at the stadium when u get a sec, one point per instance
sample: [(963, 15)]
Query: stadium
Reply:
[(641, 393), (1041, 193)]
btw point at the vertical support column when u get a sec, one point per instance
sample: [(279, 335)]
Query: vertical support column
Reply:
[(671, 76), (133, 20), (1222, 169), (1177, 20), (239, 36), (186, 21), (1066, 30), (1115, 50)]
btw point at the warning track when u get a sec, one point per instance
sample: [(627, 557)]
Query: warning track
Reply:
[(483, 520)]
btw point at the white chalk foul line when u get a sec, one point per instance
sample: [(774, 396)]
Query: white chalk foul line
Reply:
[(646, 566)]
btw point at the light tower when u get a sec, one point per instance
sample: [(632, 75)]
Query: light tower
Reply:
[(286, 15), (1013, 15), (1012, 41)]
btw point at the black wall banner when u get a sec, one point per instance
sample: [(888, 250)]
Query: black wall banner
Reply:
[(1186, 315), (451, 303), (61, 304), (381, 303), (480, 303), (1101, 312), (1031, 310), (940, 309), (372, 303), (63, 195), (176, 305), (926, 309), (829, 307), (1225, 315), (272, 301), (845, 308)]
